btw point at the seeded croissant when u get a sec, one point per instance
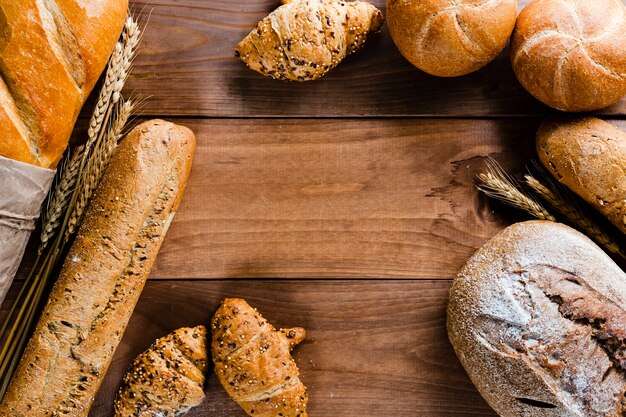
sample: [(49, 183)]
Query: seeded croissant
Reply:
[(167, 379), (253, 362), (304, 39)]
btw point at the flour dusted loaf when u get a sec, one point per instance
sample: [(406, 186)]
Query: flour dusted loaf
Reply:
[(538, 319), (588, 155), (253, 362), (571, 54), (449, 38), (51, 55), (103, 275), (166, 380), (304, 39)]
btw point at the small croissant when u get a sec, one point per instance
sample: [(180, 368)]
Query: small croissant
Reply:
[(167, 379), (304, 39), (254, 364)]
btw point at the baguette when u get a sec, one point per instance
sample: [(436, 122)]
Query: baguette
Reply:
[(588, 155), (103, 275), (537, 317), (51, 55)]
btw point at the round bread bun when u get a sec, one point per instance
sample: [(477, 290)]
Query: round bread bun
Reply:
[(449, 38), (571, 54)]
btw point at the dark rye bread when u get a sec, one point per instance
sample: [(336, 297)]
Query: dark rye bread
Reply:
[(588, 155), (103, 275), (538, 319)]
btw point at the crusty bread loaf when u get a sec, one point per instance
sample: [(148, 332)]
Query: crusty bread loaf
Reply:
[(103, 275), (304, 39), (449, 38), (166, 380), (538, 319), (571, 54), (253, 363), (51, 55), (588, 155)]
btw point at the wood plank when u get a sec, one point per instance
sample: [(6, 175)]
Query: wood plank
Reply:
[(373, 348), (187, 68), (339, 198)]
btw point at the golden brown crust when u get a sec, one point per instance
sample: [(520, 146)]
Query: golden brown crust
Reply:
[(51, 55), (537, 317), (588, 155), (103, 275), (304, 39), (449, 38), (167, 379), (253, 363), (571, 54)]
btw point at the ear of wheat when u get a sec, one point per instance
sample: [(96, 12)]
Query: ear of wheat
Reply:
[(77, 181), (496, 183), (573, 213)]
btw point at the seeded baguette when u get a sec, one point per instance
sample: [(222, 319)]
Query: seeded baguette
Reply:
[(103, 275), (588, 155)]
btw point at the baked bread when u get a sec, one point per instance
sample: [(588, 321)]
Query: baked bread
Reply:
[(103, 275), (253, 363), (538, 319), (167, 379), (589, 156), (448, 38), (51, 55), (571, 54), (304, 39)]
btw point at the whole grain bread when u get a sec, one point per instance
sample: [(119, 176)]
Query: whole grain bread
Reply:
[(166, 380), (103, 275), (538, 319), (571, 54), (449, 38), (304, 39), (588, 155), (51, 55), (253, 362)]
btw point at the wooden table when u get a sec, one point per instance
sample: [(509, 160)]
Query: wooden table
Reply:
[(344, 205)]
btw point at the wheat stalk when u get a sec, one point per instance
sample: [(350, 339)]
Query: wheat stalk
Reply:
[(497, 184), (573, 213), (61, 198), (98, 162)]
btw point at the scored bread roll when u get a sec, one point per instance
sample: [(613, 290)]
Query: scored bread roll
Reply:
[(571, 54), (51, 55), (103, 274), (589, 156), (538, 319), (449, 38)]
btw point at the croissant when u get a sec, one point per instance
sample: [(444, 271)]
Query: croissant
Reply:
[(304, 39), (167, 379), (253, 362)]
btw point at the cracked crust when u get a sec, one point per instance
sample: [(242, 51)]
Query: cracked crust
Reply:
[(537, 317), (166, 380), (571, 54), (51, 55), (450, 38), (588, 155), (304, 39), (253, 362), (103, 274)]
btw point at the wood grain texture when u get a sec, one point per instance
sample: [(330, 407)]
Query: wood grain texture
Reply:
[(187, 67), (372, 349)]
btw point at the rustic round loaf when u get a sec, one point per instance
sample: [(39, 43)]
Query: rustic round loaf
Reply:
[(571, 54), (588, 155), (538, 319), (449, 38)]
